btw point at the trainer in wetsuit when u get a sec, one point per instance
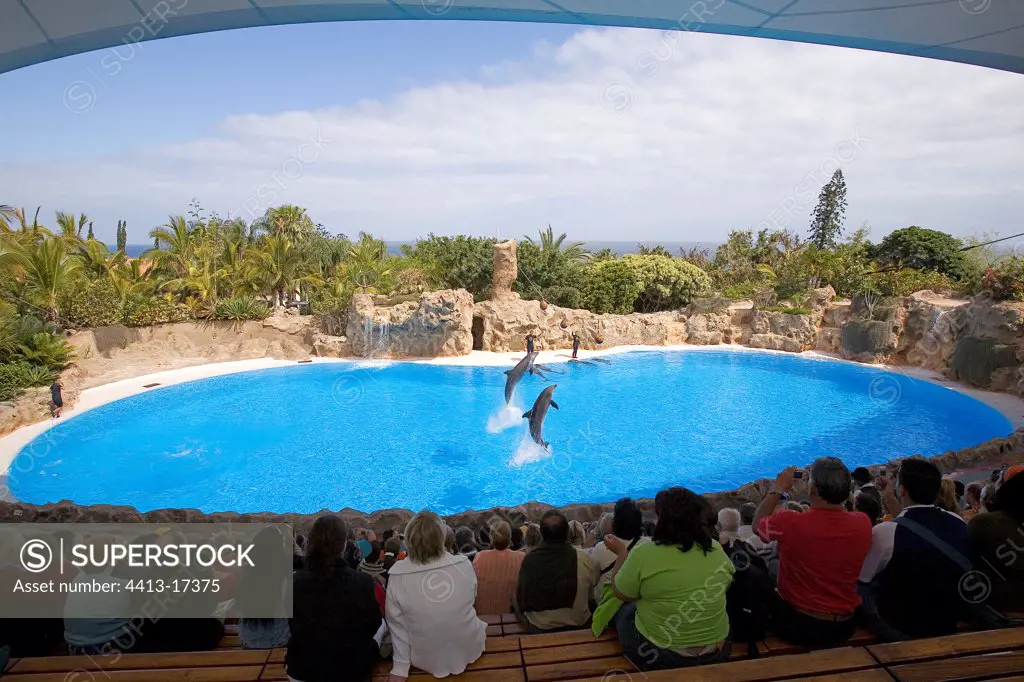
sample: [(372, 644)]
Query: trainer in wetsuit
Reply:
[(529, 342), (56, 399), (575, 344)]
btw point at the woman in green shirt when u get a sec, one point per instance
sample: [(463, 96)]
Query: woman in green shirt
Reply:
[(674, 588)]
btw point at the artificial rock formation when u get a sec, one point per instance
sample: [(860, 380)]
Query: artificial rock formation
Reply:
[(33, 405), (506, 266), (434, 324)]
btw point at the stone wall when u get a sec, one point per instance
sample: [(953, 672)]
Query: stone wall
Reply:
[(33, 405), (434, 324), (990, 454)]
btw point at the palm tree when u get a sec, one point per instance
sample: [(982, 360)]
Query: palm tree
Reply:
[(180, 242), (366, 265), (6, 217), (277, 268), (288, 221), (97, 261), (48, 268), (549, 244), (70, 225)]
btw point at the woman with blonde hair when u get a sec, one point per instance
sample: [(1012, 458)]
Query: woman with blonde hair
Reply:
[(947, 497), (429, 608)]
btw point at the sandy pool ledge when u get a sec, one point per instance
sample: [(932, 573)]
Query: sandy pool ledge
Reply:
[(1009, 405)]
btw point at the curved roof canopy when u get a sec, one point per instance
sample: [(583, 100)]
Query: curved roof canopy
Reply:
[(982, 32)]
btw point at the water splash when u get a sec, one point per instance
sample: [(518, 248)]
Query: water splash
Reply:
[(528, 452), (372, 364), (505, 418)]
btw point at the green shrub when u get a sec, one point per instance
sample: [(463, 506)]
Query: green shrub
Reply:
[(923, 249), (15, 377), (90, 304), (46, 349), (636, 283), (12, 381), (146, 312), (1005, 282), (742, 292), (787, 310), (906, 281), (241, 308)]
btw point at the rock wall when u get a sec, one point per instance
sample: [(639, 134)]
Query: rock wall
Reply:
[(992, 454), (33, 405), (434, 324)]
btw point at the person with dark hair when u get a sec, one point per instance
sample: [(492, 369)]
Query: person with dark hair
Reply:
[(335, 613), (959, 489), (627, 525), (997, 537), (373, 563), (575, 344), (972, 500), (820, 555), (392, 553), (256, 584), (673, 589), (517, 538), (530, 338), (862, 479), (555, 580), (465, 542), (910, 580), (869, 505)]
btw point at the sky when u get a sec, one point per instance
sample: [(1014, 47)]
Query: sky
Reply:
[(500, 129)]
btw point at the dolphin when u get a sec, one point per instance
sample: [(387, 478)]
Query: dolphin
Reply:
[(538, 412), (516, 373)]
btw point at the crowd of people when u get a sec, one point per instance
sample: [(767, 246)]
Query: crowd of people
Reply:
[(907, 554)]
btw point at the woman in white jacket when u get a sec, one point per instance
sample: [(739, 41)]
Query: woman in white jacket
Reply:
[(429, 607)]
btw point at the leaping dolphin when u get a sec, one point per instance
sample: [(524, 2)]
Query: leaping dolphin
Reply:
[(516, 373), (538, 412)]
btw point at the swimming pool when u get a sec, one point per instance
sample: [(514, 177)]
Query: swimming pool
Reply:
[(375, 436)]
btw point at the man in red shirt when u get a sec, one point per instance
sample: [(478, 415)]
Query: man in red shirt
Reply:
[(821, 552)]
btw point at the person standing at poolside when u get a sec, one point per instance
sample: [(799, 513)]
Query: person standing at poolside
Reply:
[(56, 398), (575, 344), (529, 342)]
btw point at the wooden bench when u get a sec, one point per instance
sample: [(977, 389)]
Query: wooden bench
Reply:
[(206, 666), (993, 654)]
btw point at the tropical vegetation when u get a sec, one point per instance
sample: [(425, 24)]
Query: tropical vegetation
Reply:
[(56, 276)]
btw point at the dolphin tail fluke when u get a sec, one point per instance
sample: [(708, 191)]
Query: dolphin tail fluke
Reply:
[(554, 404), (527, 414)]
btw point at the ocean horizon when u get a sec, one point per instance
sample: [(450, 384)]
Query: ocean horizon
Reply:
[(620, 248)]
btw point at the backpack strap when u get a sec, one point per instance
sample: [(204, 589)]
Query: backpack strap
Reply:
[(629, 548)]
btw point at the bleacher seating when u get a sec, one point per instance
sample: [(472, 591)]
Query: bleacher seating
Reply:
[(511, 656)]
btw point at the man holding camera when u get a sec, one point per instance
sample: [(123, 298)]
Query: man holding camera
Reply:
[(820, 555)]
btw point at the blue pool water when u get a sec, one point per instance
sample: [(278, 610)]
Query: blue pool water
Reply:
[(310, 437)]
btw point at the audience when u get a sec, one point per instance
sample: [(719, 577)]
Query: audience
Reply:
[(392, 553), (335, 616), (910, 579), (728, 526), (946, 499), (263, 633), (532, 537), (449, 539), (972, 498), (674, 588), (517, 538), (820, 555), (747, 534), (626, 524), (869, 505), (96, 623), (373, 563), (576, 533), (997, 539), (862, 480), (497, 571), (555, 580), (430, 605), (465, 542)]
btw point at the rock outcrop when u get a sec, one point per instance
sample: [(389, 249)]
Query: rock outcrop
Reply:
[(992, 453), (506, 266), (434, 324), (33, 405)]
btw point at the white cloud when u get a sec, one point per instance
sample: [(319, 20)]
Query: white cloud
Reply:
[(716, 133)]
